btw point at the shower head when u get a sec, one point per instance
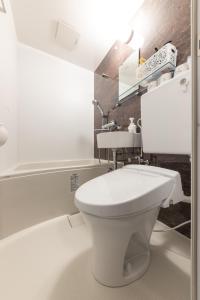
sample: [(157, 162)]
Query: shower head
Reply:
[(103, 116), (95, 102)]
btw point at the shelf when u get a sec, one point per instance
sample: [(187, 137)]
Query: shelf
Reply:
[(140, 85)]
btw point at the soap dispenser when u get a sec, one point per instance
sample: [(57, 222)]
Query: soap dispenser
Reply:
[(132, 126)]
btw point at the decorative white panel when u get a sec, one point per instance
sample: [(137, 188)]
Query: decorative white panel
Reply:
[(164, 58)]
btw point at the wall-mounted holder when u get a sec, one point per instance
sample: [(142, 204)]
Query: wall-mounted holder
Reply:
[(3, 134), (164, 59)]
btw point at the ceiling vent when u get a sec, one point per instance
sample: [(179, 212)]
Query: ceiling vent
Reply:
[(66, 36)]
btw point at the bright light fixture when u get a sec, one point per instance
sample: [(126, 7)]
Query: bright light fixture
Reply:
[(137, 41), (124, 33), (111, 18)]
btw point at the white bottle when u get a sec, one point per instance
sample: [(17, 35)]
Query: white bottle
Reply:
[(132, 126)]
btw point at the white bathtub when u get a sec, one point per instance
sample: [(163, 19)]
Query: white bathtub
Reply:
[(35, 192), (49, 166), (51, 261)]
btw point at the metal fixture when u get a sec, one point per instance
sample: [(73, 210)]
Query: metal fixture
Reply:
[(103, 115), (141, 160), (130, 37), (105, 126), (114, 152), (111, 126), (106, 76), (100, 129)]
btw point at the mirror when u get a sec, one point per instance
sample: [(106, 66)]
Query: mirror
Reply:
[(127, 75)]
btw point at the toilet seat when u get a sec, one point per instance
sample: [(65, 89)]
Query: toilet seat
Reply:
[(129, 190)]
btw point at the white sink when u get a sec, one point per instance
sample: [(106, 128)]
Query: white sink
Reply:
[(118, 139)]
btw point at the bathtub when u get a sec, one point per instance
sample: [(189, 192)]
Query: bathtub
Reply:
[(51, 261), (32, 193)]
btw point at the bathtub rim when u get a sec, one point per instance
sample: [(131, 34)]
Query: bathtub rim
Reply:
[(14, 173)]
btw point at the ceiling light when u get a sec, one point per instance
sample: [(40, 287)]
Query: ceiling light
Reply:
[(137, 40)]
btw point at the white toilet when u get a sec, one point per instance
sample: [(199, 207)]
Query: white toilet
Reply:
[(121, 207)]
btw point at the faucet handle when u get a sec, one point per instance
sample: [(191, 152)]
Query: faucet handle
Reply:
[(141, 160)]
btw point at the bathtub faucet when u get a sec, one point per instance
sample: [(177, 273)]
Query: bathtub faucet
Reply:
[(111, 126)]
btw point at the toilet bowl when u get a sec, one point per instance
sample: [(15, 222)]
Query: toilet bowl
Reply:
[(121, 209)]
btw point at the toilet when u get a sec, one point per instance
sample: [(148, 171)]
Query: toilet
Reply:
[(121, 207)]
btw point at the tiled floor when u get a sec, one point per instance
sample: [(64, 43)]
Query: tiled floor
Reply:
[(51, 261)]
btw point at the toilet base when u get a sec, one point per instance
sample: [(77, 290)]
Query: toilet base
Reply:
[(121, 252), (126, 280)]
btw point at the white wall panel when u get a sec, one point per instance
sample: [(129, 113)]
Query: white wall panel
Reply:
[(56, 111)]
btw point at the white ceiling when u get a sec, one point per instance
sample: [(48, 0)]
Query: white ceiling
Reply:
[(99, 23)]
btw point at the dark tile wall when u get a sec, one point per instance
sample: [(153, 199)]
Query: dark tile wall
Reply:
[(167, 20)]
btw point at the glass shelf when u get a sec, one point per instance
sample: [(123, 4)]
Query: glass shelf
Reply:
[(140, 85)]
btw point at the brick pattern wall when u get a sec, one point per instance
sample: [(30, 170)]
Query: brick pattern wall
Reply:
[(167, 21)]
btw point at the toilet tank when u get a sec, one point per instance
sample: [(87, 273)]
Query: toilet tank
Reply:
[(166, 117)]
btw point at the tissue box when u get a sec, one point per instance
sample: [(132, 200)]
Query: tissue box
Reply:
[(163, 59)]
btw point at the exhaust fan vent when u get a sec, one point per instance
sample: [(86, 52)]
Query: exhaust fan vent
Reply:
[(66, 36)]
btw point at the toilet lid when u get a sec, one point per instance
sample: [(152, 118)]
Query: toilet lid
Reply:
[(130, 189)]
